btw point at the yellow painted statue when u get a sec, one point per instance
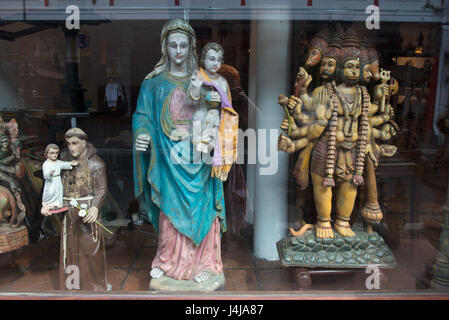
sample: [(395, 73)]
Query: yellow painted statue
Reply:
[(337, 128)]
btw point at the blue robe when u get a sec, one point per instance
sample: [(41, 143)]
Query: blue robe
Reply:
[(183, 190)]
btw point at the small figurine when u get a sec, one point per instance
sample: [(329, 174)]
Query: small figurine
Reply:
[(207, 113), (53, 192), (209, 92)]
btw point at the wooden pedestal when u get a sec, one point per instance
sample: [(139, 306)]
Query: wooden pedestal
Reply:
[(12, 238), (304, 276)]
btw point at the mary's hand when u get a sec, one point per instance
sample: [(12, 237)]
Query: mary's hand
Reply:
[(142, 142), (196, 79)]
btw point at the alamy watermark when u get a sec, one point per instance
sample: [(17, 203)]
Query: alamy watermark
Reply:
[(72, 282), (73, 20), (261, 149), (372, 282), (373, 20)]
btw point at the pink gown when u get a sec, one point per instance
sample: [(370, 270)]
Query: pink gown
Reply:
[(177, 255)]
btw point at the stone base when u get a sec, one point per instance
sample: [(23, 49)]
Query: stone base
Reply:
[(215, 282), (360, 251), (12, 238), (440, 272), (437, 284)]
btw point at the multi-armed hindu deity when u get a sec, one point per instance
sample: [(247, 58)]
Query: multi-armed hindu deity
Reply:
[(11, 171), (339, 129)]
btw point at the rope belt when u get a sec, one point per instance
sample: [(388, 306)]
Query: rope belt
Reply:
[(79, 199)]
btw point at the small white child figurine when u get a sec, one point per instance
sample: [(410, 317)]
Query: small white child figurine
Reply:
[(206, 117), (53, 191)]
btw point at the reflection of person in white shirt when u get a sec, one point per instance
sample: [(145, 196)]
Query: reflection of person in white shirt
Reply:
[(112, 92), (53, 191)]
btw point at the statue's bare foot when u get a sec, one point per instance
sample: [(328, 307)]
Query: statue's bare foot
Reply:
[(156, 273), (202, 277), (343, 228), (324, 229)]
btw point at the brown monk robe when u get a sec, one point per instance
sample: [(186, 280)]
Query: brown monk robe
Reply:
[(82, 244)]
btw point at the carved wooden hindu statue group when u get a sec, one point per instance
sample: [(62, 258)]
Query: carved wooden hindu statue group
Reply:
[(340, 130)]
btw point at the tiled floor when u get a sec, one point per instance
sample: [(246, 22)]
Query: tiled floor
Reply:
[(130, 256)]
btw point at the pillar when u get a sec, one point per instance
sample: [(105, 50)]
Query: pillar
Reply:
[(73, 90), (271, 51), (440, 279), (442, 91)]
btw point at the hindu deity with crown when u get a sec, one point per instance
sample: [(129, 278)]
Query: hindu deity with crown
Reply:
[(339, 129)]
